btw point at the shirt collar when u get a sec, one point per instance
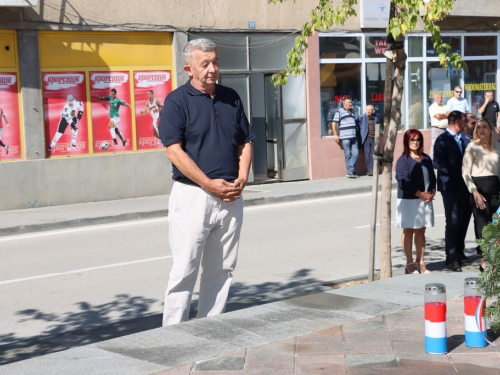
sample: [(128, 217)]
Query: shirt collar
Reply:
[(456, 136), (195, 92)]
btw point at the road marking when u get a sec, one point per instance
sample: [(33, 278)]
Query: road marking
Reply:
[(148, 221), (392, 222), (83, 270)]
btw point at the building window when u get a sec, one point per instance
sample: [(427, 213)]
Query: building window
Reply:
[(340, 47), (485, 45), (480, 77)]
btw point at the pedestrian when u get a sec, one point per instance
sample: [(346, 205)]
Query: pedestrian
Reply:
[(490, 109), (416, 191), (438, 113), (482, 175), (367, 122), (457, 103), (448, 158), (345, 134), (208, 140), (470, 125)]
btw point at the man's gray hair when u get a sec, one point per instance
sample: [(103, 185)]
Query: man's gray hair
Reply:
[(200, 44)]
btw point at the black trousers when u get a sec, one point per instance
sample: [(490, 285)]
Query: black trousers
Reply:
[(489, 188), (458, 212)]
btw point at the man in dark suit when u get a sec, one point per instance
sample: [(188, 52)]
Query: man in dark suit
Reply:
[(448, 155), (367, 122)]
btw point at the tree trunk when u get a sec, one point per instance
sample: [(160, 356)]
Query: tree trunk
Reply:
[(390, 142)]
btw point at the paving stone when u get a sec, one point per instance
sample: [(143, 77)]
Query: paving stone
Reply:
[(461, 348), (320, 364), (363, 347), (466, 368), (377, 336), (491, 360), (409, 319), (333, 334), (371, 360), (416, 351), (374, 324), (83, 360), (221, 364), (273, 355), (239, 353), (181, 370)]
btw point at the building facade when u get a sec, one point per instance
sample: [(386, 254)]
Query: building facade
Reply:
[(53, 51)]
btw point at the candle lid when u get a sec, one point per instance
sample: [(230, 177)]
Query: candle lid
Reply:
[(435, 288)]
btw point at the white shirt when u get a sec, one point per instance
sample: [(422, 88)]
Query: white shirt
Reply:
[(435, 109), (461, 105)]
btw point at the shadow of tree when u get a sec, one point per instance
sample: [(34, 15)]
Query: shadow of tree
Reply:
[(125, 315)]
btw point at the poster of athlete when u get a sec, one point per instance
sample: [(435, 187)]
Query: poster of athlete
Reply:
[(150, 89), (64, 97), (111, 111), (10, 131)]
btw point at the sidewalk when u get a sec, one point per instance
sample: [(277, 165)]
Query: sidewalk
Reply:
[(76, 215), (364, 329)]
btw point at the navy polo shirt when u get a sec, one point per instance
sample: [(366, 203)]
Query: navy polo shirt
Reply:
[(210, 130)]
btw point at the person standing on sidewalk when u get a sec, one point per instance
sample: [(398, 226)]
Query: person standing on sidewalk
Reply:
[(457, 103), (367, 122), (344, 132), (448, 157), (438, 113), (208, 140), (490, 109)]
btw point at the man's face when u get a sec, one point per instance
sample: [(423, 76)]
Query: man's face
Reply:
[(457, 93), (370, 111), (461, 123), (470, 125), (203, 68), (71, 102), (489, 96), (113, 95), (348, 104), (439, 99), (150, 95)]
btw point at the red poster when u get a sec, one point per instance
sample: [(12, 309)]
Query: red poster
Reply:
[(64, 100), (111, 112), (10, 131), (151, 89)]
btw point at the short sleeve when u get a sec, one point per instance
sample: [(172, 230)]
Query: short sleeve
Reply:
[(248, 134), (336, 118), (173, 126), (107, 97)]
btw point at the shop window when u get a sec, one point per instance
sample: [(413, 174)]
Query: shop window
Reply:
[(479, 78), (240, 85), (269, 51), (441, 81), (232, 50), (340, 47), (453, 41), (415, 93), (485, 45), (415, 46), (375, 87), (337, 82), (375, 46)]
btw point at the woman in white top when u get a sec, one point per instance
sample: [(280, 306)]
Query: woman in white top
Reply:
[(480, 170)]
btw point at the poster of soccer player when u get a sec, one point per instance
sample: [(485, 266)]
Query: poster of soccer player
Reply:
[(66, 128), (111, 111), (10, 131), (150, 89)]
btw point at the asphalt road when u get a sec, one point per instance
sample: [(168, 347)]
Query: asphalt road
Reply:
[(55, 283)]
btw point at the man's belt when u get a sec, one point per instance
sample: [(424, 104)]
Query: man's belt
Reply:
[(187, 181)]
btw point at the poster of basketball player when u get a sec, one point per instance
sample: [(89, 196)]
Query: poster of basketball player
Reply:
[(150, 89), (66, 128), (111, 111), (10, 132)]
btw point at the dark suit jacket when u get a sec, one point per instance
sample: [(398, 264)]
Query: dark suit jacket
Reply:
[(363, 125), (448, 162)]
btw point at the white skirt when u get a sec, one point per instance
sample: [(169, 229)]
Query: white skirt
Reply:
[(414, 214)]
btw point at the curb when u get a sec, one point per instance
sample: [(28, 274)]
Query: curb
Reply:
[(131, 216)]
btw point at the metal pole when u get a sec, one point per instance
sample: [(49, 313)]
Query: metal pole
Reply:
[(373, 226)]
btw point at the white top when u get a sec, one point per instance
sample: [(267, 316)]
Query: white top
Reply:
[(69, 112), (153, 109), (479, 163), (461, 105), (435, 109)]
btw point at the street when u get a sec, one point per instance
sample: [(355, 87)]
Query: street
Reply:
[(53, 283)]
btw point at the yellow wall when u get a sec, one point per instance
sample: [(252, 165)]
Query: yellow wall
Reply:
[(8, 58)]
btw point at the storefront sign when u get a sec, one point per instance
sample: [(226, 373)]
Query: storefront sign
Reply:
[(150, 89), (10, 132), (66, 128), (487, 86), (374, 14), (107, 115)]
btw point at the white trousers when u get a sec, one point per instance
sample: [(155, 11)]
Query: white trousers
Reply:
[(202, 229)]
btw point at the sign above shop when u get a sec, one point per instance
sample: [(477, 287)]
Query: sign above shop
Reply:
[(374, 14), (18, 3)]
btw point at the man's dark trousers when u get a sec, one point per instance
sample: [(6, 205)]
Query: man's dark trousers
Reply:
[(457, 212)]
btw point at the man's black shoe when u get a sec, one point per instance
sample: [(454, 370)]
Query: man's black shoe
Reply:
[(455, 267), (465, 259)]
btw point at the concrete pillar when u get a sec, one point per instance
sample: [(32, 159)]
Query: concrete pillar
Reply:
[(179, 42), (31, 94)]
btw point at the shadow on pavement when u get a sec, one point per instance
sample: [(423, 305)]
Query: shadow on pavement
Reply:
[(126, 315)]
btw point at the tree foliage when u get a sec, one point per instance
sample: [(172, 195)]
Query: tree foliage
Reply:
[(326, 15), (490, 278)]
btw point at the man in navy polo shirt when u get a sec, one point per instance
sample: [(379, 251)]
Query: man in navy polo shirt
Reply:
[(208, 140)]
